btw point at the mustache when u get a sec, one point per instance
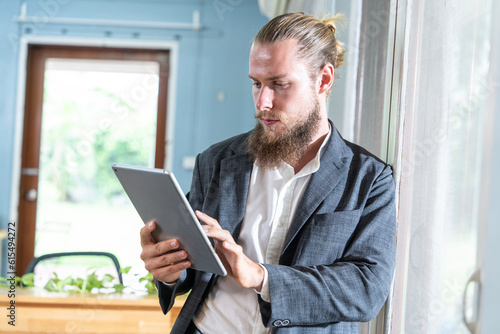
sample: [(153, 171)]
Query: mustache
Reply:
[(267, 114)]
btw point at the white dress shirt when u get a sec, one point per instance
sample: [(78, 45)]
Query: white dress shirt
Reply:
[(273, 197)]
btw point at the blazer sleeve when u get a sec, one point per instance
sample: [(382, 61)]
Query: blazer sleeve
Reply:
[(353, 287), (167, 294)]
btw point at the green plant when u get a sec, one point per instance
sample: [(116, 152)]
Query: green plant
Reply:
[(88, 284)]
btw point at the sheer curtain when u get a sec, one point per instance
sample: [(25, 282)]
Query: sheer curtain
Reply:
[(420, 99), (442, 108)]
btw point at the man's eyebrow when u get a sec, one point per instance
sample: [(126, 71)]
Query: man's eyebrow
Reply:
[(274, 77)]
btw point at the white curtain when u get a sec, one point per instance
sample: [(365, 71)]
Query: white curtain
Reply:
[(444, 102)]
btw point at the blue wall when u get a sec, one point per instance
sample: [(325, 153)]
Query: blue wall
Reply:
[(8, 82), (211, 60)]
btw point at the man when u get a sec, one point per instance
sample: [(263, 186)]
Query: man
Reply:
[(303, 221)]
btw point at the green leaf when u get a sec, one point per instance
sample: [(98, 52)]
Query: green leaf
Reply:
[(84, 286), (119, 288), (148, 277), (28, 279), (93, 282), (78, 283), (125, 270), (151, 287), (62, 283), (51, 285), (108, 279)]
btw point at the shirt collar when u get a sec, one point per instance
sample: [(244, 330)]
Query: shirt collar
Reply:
[(313, 165)]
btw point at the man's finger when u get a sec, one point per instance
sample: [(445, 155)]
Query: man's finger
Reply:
[(146, 237), (166, 260), (172, 269), (221, 236), (207, 219), (159, 248)]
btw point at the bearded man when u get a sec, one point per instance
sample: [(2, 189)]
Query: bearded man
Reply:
[(303, 221)]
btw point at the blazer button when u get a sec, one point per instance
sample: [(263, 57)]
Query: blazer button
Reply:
[(277, 323), (285, 322)]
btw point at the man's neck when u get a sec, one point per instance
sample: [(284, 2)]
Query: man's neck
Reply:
[(312, 149)]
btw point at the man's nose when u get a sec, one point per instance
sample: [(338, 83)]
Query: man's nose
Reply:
[(264, 99)]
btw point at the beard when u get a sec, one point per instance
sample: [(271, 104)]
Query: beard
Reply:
[(270, 149)]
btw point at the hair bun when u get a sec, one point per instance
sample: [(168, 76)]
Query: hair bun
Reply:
[(333, 21)]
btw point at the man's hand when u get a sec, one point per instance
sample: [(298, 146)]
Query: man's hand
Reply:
[(244, 271), (163, 259)]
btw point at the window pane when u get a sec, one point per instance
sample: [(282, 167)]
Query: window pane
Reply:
[(95, 113)]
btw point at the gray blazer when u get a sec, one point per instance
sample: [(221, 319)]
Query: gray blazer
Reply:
[(338, 260)]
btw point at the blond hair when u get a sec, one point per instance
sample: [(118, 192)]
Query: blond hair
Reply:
[(316, 38)]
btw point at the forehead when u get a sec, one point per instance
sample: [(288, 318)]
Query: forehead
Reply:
[(276, 59)]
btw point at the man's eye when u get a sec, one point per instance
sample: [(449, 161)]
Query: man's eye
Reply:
[(256, 84), (281, 84)]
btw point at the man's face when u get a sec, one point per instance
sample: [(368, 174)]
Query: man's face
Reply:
[(287, 107), (282, 88)]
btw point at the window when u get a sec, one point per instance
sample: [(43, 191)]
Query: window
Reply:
[(87, 108)]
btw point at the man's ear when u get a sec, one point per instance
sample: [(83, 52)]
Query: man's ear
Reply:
[(326, 77)]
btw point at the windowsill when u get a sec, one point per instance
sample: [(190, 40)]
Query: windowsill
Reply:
[(42, 311)]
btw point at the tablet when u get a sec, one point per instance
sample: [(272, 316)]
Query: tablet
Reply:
[(157, 196)]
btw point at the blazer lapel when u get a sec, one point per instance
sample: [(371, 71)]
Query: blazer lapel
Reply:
[(234, 182), (332, 169)]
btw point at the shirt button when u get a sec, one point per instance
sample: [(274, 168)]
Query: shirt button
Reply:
[(281, 224), (277, 323), (285, 322)]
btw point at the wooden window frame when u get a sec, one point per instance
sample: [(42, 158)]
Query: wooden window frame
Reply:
[(30, 154)]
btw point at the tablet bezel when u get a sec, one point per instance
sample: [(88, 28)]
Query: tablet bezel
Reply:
[(156, 195)]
